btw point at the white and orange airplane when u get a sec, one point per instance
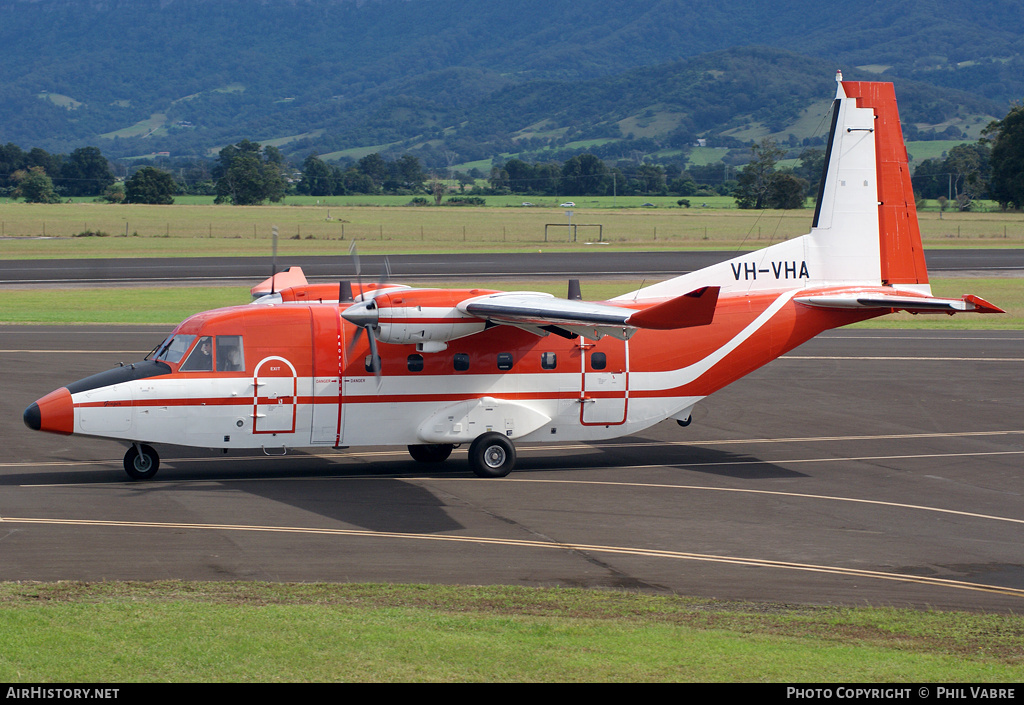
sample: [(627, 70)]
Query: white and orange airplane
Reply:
[(314, 365)]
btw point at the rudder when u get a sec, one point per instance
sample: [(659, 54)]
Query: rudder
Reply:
[(901, 253)]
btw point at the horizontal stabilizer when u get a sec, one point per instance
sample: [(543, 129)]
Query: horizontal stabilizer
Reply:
[(873, 299), (694, 309)]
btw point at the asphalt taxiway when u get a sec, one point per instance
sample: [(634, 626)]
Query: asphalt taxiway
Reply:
[(652, 266), (866, 467)]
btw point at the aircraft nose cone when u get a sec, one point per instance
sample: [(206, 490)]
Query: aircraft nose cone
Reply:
[(363, 314), (54, 413), (33, 417)]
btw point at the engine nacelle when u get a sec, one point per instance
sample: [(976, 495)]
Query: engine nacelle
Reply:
[(424, 317)]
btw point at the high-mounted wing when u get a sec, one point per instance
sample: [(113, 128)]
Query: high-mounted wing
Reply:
[(543, 313)]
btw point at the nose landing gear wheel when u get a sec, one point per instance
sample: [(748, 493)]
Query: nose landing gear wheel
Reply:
[(141, 462), (492, 455)]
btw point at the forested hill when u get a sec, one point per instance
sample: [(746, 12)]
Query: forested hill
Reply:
[(472, 78)]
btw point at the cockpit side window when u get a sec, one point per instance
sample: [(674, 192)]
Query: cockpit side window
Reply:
[(230, 354), (174, 348), (201, 357)]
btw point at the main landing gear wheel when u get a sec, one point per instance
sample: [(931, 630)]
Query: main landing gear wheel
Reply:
[(492, 455), (431, 452), (141, 462)]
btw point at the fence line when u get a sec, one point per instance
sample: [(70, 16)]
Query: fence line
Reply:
[(432, 232)]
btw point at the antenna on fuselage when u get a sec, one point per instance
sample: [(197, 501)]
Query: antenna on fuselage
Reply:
[(345, 292)]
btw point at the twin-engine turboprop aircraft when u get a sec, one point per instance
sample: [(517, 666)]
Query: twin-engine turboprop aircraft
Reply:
[(314, 365)]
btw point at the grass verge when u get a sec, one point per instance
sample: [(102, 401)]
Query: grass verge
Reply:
[(262, 632)]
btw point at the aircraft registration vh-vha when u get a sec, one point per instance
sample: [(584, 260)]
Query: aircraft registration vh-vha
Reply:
[(346, 364)]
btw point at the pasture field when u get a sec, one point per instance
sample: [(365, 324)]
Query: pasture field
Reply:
[(31, 231), (204, 632)]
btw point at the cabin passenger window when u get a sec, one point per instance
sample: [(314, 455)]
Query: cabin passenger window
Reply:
[(548, 360), (505, 361), (201, 357), (460, 362), (415, 362), (372, 363), (598, 361), (230, 354)]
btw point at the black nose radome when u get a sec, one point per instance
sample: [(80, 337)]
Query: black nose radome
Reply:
[(33, 419)]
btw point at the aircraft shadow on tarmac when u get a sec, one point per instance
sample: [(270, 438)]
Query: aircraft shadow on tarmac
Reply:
[(376, 496)]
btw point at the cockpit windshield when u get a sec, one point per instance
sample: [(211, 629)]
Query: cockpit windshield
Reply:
[(172, 349)]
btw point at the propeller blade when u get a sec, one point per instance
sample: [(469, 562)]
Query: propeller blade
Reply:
[(354, 342), (273, 259), (354, 254), (374, 356)]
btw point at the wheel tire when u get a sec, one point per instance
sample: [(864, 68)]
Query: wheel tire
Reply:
[(492, 455), (141, 466), (431, 452)]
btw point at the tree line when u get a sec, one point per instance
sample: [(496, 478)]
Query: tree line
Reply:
[(248, 173)]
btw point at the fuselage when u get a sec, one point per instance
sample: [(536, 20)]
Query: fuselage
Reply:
[(289, 376)]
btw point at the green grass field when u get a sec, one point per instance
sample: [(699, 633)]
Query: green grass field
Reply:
[(259, 632), (54, 231)]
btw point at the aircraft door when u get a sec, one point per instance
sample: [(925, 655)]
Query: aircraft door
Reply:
[(275, 396), (604, 393)]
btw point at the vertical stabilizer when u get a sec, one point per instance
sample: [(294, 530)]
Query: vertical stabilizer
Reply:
[(865, 229), (900, 249)]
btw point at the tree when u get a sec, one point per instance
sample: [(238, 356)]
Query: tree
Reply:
[(150, 185), (408, 172), (11, 160), (498, 180), (374, 166), (85, 173), (755, 180), (969, 166), (35, 186), (811, 169), (650, 179), (242, 183), (1006, 184), (761, 186), (786, 191), (584, 175), (317, 178), (520, 176), (247, 174), (683, 185)]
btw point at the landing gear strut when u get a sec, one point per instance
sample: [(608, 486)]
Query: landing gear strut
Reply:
[(141, 462), (492, 455)]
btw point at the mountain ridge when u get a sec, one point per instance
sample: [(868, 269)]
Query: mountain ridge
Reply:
[(463, 76)]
